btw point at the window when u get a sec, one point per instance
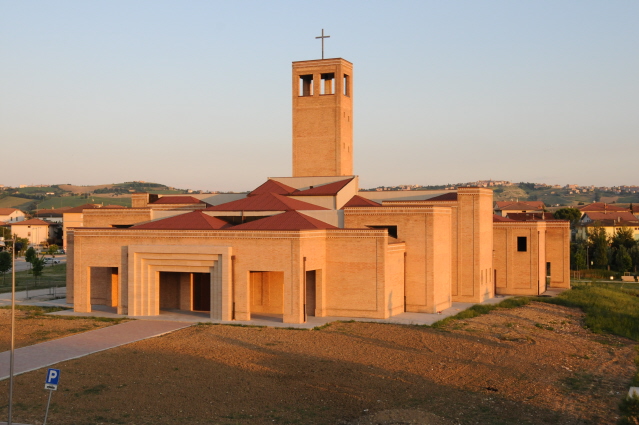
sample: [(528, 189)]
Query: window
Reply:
[(306, 85), (522, 243), (327, 85), (392, 230), (347, 85)]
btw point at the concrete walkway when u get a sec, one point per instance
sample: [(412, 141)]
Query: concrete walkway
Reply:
[(71, 347)]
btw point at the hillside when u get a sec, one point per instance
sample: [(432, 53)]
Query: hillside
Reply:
[(29, 199)]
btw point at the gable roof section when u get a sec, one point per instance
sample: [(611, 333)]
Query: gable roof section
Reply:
[(444, 197), (623, 216), (500, 219), (330, 189), (360, 201), (523, 205), (195, 220), (8, 211), (272, 186), (601, 207), (32, 222), (177, 200), (290, 220), (265, 202)]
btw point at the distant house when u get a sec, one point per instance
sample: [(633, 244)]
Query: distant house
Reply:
[(611, 221), (37, 231), (53, 215), (504, 208), (10, 215), (600, 207)]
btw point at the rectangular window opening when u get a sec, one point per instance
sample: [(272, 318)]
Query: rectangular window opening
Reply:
[(306, 85), (392, 230), (522, 243), (347, 85), (327, 85)]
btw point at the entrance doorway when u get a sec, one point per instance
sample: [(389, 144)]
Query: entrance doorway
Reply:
[(267, 295), (202, 291), (311, 292)]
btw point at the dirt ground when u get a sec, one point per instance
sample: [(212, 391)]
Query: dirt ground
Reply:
[(530, 365), (33, 327)]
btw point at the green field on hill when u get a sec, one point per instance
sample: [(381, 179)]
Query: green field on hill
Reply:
[(75, 201), (13, 202)]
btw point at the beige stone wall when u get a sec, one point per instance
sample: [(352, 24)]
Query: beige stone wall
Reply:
[(267, 292), (109, 217), (520, 273), (427, 235), (558, 253), (70, 220), (350, 265)]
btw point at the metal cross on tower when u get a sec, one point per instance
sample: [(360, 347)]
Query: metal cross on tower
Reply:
[(323, 37)]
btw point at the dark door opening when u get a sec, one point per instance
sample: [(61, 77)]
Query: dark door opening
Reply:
[(310, 293), (202, 291)]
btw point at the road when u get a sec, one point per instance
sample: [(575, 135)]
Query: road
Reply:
[(22, 265)]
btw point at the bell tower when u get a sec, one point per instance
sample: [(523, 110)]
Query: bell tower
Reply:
[(323, 118)]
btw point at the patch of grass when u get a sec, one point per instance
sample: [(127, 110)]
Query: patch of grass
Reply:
[(629, 409), (479, 309), (35, 309), (608, 308), (95, 390), (542, 326)]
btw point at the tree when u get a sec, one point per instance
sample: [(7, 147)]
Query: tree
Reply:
[(598, 241), (52, 250), (5, 264), (38, 267), (30, 255), (597, 196), (578, 257), (634, 254), (624, 236), (622, 260), (572, 214)]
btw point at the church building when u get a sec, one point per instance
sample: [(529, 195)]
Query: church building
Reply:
[(311, 244)]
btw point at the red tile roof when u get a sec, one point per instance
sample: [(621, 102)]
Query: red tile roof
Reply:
[(272, 186), (616, 215), (81, 208), (500, 219), (523, 205), (265, 202), (444, 197), (8, 211), (600, 207), (359, 201), (195, 220), (290, 220), (32, 222), (177, 200), (531, 216), (330, 189)]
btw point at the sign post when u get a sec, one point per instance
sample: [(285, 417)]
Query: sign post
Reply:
[(51, 384)]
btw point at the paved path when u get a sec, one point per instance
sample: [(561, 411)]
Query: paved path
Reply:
[(71, 347)]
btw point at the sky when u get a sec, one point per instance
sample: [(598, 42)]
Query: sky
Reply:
[(197, 94)]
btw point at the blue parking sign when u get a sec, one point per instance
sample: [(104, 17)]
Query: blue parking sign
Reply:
[(51, 383)]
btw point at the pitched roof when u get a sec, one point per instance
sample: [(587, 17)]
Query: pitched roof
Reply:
[(265, 202), (177, 200), (600, 207), (500, 219), (290, 220), (195, 220), (523, 205), (32, 222), (531, 216), (613, 215), (330, 189), (359, 201), (8, 211), (81, 208), (272, 186), (452, 196)]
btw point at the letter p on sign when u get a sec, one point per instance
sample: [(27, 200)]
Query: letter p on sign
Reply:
[(53, 375)]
